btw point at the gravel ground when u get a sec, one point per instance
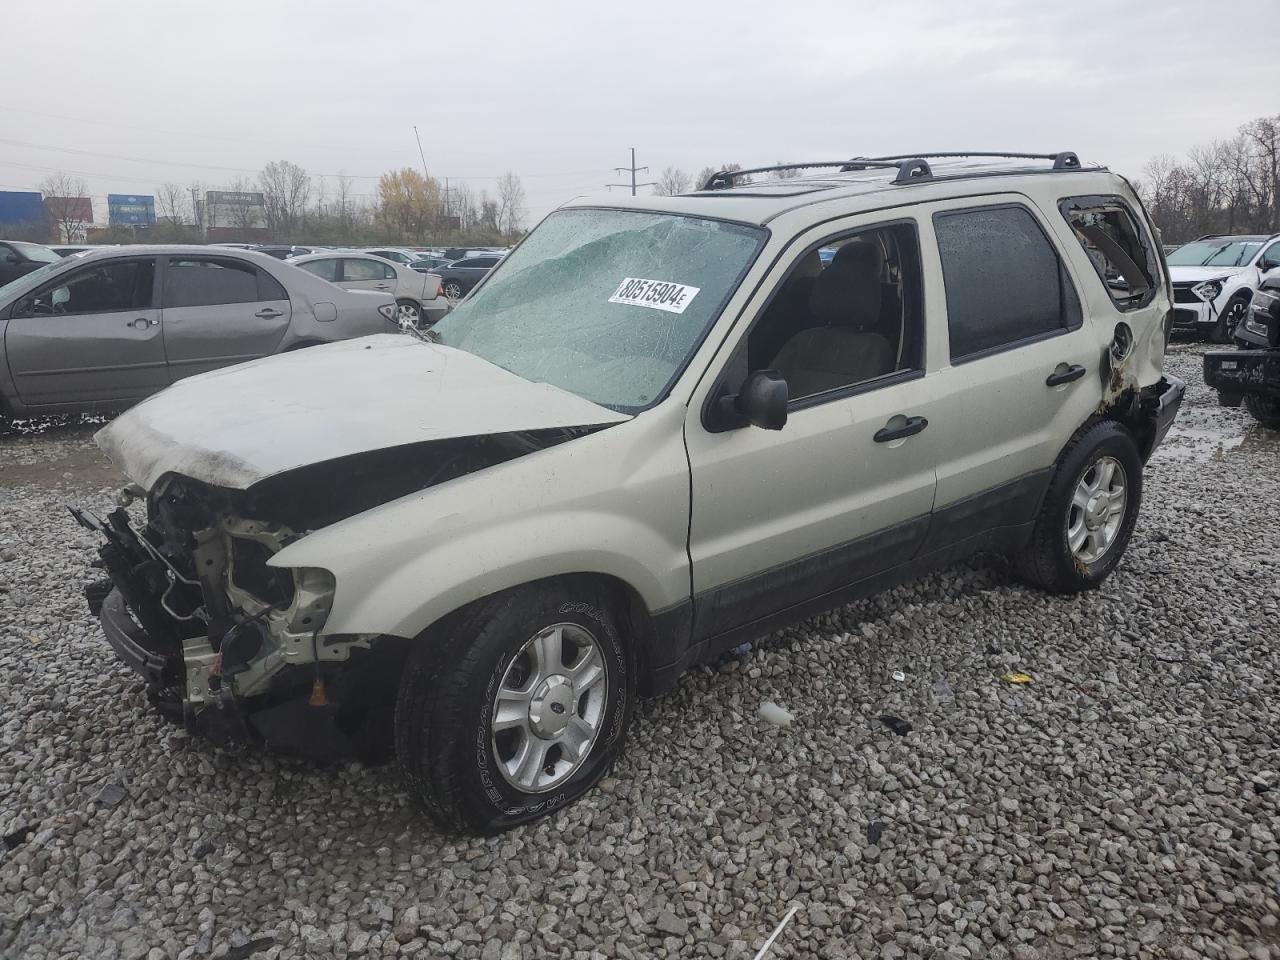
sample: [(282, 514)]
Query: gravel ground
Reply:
[(1125, 803)]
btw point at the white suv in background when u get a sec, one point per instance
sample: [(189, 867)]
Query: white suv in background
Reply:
[(1214, 278), (659, 427)]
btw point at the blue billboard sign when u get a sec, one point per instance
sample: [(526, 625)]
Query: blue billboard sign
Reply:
[(19, 207), (128, 210)]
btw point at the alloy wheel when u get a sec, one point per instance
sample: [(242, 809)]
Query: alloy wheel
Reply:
[(549, 708), (1097, 510)]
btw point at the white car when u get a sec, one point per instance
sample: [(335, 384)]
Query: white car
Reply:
[(1215, 278), (660, 427), (420, 299)]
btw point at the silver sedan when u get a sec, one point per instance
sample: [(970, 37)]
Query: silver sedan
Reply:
[(420, 299), (101, 330)]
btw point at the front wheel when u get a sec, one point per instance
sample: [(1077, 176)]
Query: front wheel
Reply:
[(514, 707), (1266, 410), (1088, 513), (453, 289), (1232, 314)]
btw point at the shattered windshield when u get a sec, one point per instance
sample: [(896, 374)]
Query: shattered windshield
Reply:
[(1214, 253), (607, 304)]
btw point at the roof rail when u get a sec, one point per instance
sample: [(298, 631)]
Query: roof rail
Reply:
[(1063, 160), (911, 167), (723, 179)]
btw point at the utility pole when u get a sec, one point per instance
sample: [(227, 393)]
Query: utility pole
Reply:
[(633, 170), (196, 213)]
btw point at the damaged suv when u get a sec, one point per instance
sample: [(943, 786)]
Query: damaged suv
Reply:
[(658, 428)]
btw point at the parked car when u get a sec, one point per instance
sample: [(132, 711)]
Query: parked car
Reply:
[(420, 299), (429, 264), (17, 257), (461, 276), (658, 429), (66, 250), (1251, 373), (284, 251), (399, 255), (1214, 279), (103, 329)]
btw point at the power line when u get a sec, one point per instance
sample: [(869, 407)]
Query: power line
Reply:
[(633, 170)]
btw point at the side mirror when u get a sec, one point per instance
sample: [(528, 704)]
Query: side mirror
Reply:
[(1268, 264), (761, 402), (11, 258)]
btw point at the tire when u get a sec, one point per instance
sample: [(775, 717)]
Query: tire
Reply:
[(408, 313), (1266, 410), (467, 775), (453, 289), (1232, 314), (1049, 560)]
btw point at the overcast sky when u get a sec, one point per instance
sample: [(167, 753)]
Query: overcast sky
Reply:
[(133, 94)]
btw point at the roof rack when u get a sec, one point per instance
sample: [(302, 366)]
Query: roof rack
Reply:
[(911, 167)]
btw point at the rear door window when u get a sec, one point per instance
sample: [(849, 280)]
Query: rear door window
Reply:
[(1121, 254), (1005, 283), (208, 281)]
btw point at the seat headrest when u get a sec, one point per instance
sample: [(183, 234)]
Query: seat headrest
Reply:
[(847, 293)]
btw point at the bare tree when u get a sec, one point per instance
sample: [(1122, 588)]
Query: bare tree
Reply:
[(785, 174), (671, 181), (67, 200), (172, 203), (705, 174), (286, 188), (510, 217), (344, 199)]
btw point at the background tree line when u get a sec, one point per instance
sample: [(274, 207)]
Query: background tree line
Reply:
[(408, 207)]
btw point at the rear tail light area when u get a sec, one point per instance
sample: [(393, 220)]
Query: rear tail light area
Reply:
[(440, 288), (388, 310)]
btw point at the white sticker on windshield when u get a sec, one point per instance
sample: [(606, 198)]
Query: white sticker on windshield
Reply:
[(658, 294)]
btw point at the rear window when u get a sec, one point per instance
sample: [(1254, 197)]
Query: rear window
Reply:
[(1124, 261)]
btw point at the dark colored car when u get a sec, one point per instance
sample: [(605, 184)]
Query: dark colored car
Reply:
[(1251, 374), (17, 257), (430, 264), (462, 275)]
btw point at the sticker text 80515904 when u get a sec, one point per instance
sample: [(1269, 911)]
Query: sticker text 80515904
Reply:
[(658, 294)]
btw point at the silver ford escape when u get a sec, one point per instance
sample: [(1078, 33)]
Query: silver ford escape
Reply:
[(658, 428)]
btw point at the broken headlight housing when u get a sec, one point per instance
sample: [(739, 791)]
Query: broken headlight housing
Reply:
[(1209, 289)]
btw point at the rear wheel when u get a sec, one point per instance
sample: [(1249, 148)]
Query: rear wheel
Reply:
[(1088, 513), (1231, 316), (453, 289), (514, 707), (408, 313), (1266, 410)]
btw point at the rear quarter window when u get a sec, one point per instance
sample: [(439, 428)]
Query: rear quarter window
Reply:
[(1122, 255)]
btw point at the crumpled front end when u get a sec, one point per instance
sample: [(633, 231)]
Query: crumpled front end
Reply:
[(236, 647), (228, 644)]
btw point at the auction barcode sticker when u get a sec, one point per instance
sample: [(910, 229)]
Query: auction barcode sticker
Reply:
[(658, 294)]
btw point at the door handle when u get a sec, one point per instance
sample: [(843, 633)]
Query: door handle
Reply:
[(141, 323), (382, 286), (268, 313), (1059, 377), (909, 429)]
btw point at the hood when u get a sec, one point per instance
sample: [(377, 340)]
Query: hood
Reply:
[(236, 426), (1197, 274)]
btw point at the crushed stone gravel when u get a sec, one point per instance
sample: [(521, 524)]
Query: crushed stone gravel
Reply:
[(1125, 803)]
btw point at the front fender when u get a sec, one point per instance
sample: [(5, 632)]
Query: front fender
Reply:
[(615, 502)]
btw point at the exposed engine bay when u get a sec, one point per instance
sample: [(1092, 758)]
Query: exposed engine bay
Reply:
[(233, 647)]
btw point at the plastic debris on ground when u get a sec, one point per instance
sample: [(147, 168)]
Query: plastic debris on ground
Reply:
[(1014, 676), (770, 712), (899, 676)]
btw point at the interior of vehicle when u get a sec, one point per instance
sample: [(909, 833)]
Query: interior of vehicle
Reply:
[(846, 314)]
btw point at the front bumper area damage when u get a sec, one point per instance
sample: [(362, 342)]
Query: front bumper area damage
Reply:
[(226, 645), (234, 647)]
